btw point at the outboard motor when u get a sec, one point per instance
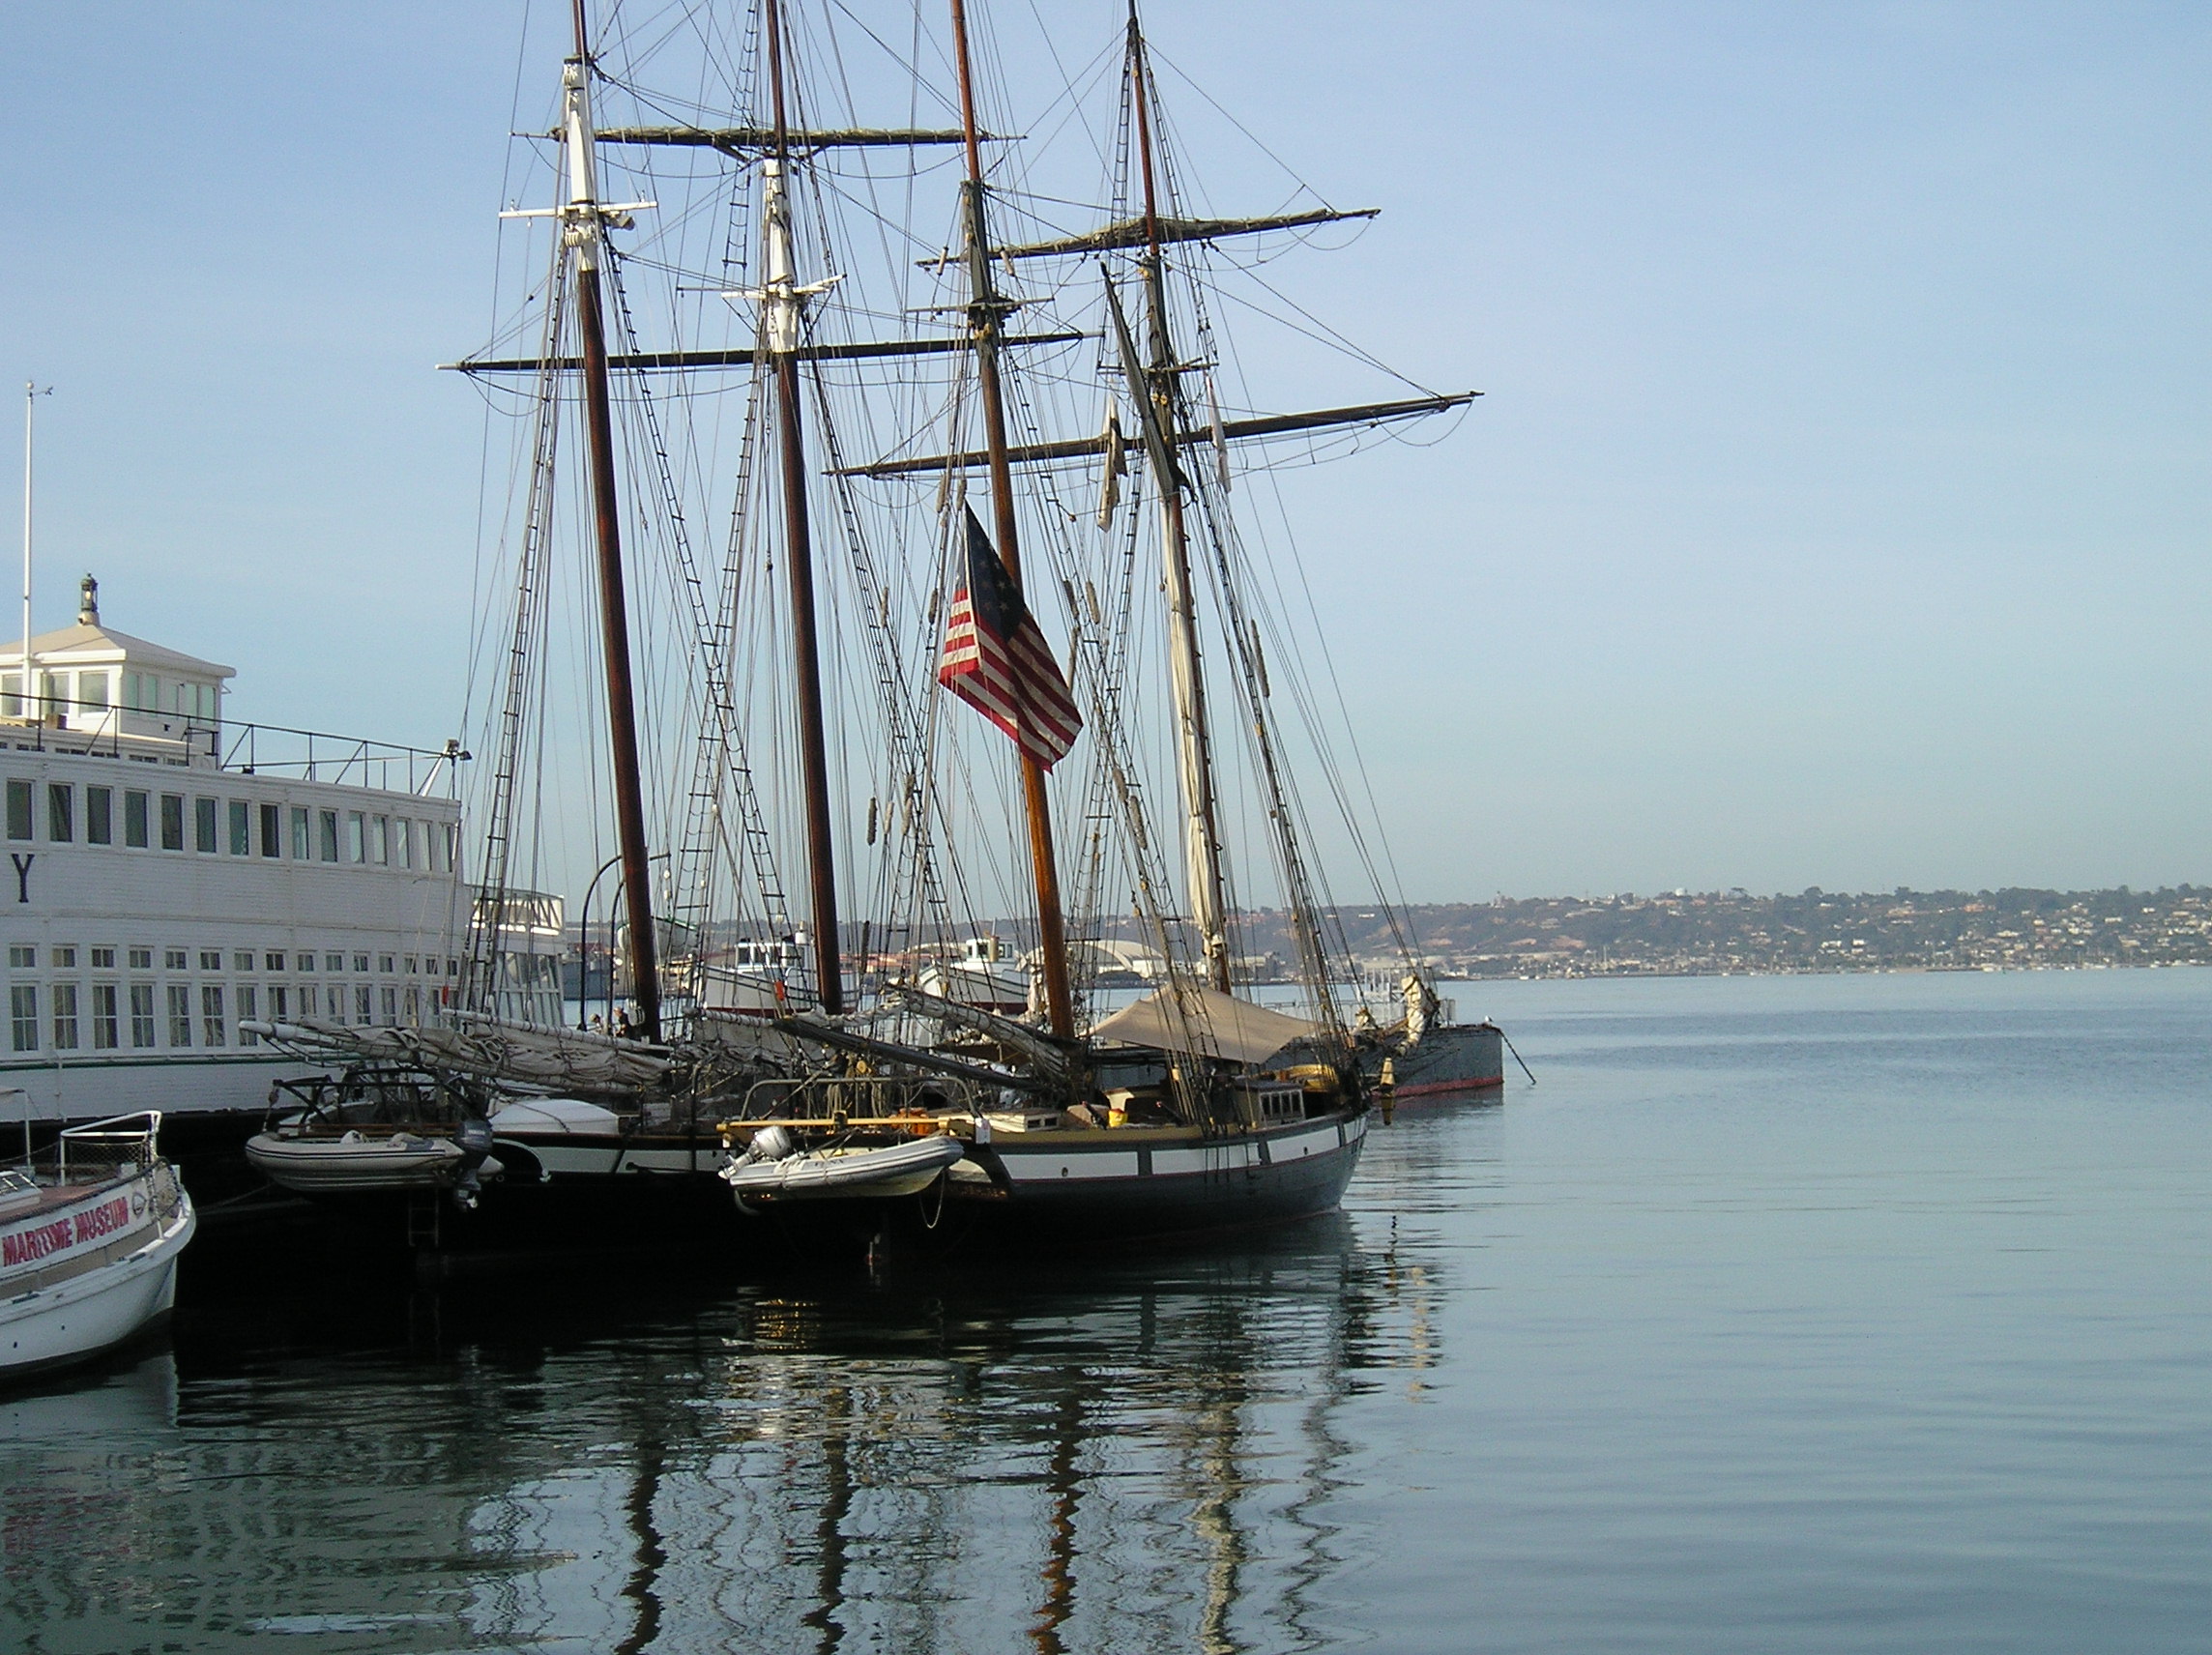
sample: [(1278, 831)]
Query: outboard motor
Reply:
[(474, 1137), (770, 1144)]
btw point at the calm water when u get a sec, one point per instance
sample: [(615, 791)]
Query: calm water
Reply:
[(1818, 1313)]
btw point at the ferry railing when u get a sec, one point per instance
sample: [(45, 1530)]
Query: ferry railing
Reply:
[(50, 714), (340, 761), (248, 748)]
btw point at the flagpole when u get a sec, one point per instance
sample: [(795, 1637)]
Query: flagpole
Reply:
[(986, 313), (31, 395)]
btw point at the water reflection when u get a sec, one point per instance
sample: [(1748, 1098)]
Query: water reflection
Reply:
[(1134, 1455)]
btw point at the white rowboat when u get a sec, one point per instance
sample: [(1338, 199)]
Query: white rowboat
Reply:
[(886, 1170), (358, 1161)]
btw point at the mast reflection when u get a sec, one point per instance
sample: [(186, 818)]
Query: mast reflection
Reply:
[(1137, 1454)]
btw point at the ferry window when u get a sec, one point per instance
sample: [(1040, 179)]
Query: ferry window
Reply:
[(361, 961), (413, 1004), (98, 816), (330, 836), (92, 689), (65, 959), (243, 960), (211, 1015), (361, 1003), (11, 695), (203, 825), (453, 967), (280, 1004), (391, 1003), (248, 1011), (65, 1017), (356, 837), (61, 812), (406, 843), (301, 851), (142, 1015), (103, 1020), (273, 962), (141, 959), (383, 964), (175, 960), (380, 840), (334, 961), (180, 1015), (271, 832), (307, 960), (104, 959), (241, 828), (22, 954), (410, 965), (308, 1007), (18, 809), (134, 819), (172, 821), (441, 846), (211, 959), (24, 1009)]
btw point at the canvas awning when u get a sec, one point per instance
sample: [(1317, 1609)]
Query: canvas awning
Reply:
[(1208, 1022)]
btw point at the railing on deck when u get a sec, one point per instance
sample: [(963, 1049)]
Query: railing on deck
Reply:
[(108, 1148), (276, 749), (249, 749)]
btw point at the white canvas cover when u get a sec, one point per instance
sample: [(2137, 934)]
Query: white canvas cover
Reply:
[(1208, 1022)]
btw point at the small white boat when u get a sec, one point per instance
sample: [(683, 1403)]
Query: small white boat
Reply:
[(773, 1166), (982, 974), (373, 1130), (355, 1160), (88, 1252), (756, 979)]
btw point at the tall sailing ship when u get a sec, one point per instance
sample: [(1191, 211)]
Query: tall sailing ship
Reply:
[(967, 650)]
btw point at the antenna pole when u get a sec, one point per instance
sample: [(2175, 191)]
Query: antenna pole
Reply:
[(1194, 736), (584, 227), (783, 304), (986, 319), (30, 409)]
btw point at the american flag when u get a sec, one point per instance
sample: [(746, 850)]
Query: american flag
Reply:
[(997, 663)]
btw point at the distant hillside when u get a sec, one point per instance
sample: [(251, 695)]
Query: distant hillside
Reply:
[(1713, 932)]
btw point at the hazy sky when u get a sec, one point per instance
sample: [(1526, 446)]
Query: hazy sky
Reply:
[(1837, 513)]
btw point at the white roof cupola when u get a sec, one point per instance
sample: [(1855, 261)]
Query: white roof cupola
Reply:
[(91, 680)]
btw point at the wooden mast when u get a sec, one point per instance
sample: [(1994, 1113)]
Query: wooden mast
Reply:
[(1194, 744), (783, 300), (583, 226), (986, 319)]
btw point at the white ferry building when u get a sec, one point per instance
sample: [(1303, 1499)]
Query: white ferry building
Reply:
[(171, 876)]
